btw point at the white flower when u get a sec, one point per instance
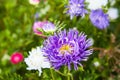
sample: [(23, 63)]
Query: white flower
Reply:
[(113, 13), (36, 60), (96, 64), (96, 4), (34, 2)]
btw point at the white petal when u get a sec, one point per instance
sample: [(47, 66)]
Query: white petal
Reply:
[(36, 60), (113, 13), (96, 4)]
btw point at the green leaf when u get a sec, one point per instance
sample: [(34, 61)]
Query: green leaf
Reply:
[(13, 76), (10, 3)]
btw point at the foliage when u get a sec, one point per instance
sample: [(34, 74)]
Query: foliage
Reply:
[(16, 20)]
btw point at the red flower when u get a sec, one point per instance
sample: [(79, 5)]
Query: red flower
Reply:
[(16, 58)]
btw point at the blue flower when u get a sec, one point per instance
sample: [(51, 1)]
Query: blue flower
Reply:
[(66, 48), (76, 8), (99, 19)]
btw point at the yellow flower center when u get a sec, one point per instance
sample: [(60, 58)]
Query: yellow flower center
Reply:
[(65, 48)]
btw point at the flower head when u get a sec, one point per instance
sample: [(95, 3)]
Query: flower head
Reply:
[(38, 25), (96, 63), (65, 48), (49, 27), (113, 13), (36, 60), (76, 8), (34, 2), (16, 58), (45, 26), (96, 4), (99, 19)]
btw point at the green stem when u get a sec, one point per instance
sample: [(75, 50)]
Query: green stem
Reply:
[(70, 75), (52, 74), (60, 73)]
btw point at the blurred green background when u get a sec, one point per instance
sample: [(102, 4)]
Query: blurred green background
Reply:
[(16, 21)]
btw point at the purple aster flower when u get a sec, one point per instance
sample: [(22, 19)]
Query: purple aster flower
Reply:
[(99, 19), (66, 48), (76, 8)]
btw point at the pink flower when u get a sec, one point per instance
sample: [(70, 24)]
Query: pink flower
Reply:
[(39, 28), (16, 58), (34, 2), (38, 25)]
